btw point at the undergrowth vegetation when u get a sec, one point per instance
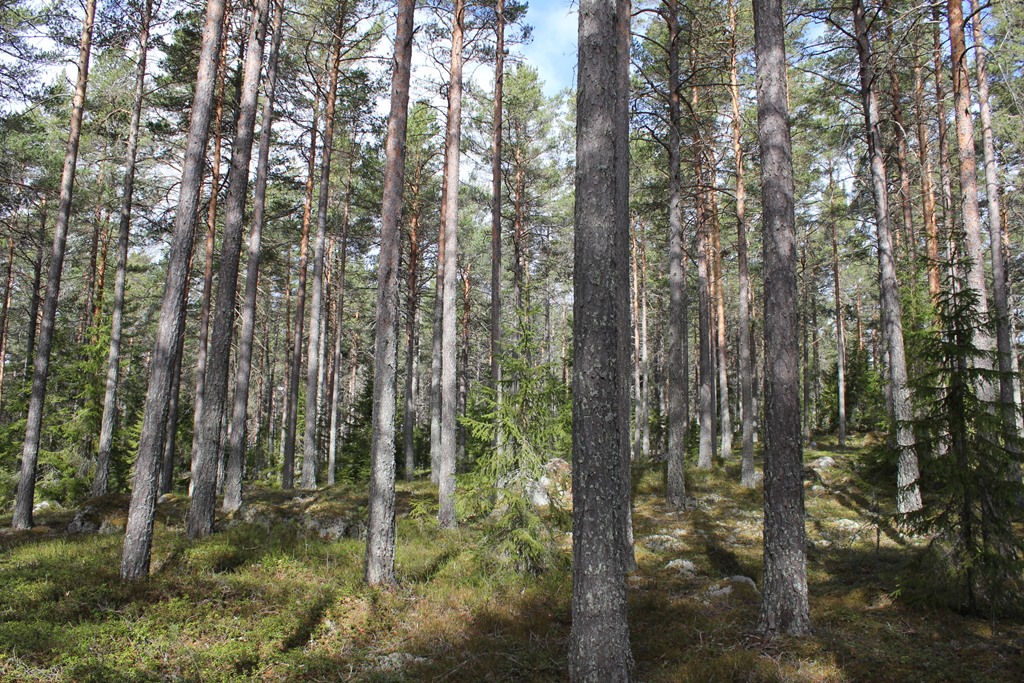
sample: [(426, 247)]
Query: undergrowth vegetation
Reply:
[(272, 600)]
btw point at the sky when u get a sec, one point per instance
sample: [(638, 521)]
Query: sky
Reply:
[(553, 48)]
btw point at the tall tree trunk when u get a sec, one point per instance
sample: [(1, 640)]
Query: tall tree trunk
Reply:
[(98, 219), (202, 348), (1000, 287), (784, 604), (748, 476), (721, 341), (139, 531), (411, 324), (34, 424), (205, 457), (645, 367), (339, 328), (435, 356), (499, 82), (243, 370), (380, 533), (166, 467), (931, 227), (840, 325), (678, 397), (908, 495), (599, 640), (309, 445), (449, 314), (706, 405), (945, 167), (99, 484), (295, 355)]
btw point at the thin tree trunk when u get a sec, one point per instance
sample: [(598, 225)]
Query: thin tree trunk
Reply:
[(945, 166), (931, 227), (840, 326), (309, 445), (599, 639), (499, 81), (166, 466), (784, 604), (236, 452), (139, 530), (748, 476), (99, 484), (706, 452), (908, 496), (34, 424), (449, 314), (291, 419), (5, 310), (634, 305), (380, 534), (37, 279), (435, 357), (411, 321), (213, 422), (645, 369), (332, 448), (678, 392)]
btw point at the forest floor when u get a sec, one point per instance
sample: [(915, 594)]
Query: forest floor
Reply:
[(280, 597)]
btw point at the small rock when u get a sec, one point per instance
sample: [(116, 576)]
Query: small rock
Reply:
[(108, 527), (42, 506), (719, 591), (165, 498), (823, 463), (682, 566), (744, 581), (396, 661), (81, 524), (662, 542)]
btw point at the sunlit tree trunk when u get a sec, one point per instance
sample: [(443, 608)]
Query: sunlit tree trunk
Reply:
[(380, 535), (107, 423), (339, 329), (908, 495), (840, 325), (309, 445), (784, 604), (496, 193), (139, 530), (243, 370), (40, 372), (706, 378), (5, 309), (449, 314)]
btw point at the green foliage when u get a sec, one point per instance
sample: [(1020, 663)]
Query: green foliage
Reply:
[(513, 438), (865, 394), (970, 458)]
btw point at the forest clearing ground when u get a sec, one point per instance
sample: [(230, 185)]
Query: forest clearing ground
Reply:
[(280, 598)]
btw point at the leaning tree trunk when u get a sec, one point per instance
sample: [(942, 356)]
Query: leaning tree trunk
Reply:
[(243, 369), (449, 313), (748, 476), (139, 531), (208, 442), (784, 605), (908, 495), (678, 322), (380, 533), (99, 483), (599, 640), (41, 366)]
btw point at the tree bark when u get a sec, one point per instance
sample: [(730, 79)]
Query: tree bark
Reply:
[(295, 355), (969, 191), (931, 227), (37, 280), (678, 314), (449, 312), (139, 531), (309, 445), (107, 423), (208, 440), (243, 370), (499, 82), (5, 310), (1000, 286), (840, 325), (908, 495), (599, 640), (332, 448), (706, 405), (784, 604), (34, 424), (380, 534), (748, 476)]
